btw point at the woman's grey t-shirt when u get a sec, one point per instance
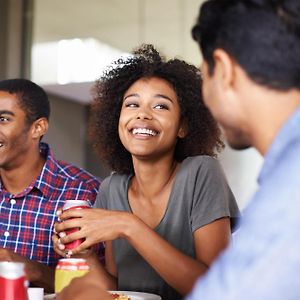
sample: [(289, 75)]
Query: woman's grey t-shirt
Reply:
[(199, 196)]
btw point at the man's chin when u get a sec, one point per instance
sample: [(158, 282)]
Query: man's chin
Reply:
[(235, 138), (237, 146), (238, 141)]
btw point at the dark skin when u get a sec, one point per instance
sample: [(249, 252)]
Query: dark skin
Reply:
[(20, 164)]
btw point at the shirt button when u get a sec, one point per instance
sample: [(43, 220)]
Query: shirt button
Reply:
[(12, 201), (6, 233)]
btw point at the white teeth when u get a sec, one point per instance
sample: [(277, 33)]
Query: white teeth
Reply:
[(144, 131)]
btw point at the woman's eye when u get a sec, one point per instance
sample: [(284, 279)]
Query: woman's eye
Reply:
[(3, 119), (161, 106), (131, 104)]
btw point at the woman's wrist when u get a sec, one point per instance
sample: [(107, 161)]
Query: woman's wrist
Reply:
[(130, 225)]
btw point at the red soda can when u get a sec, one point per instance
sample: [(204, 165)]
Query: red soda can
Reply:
[(13, 284), (67, 269), (74, 204)]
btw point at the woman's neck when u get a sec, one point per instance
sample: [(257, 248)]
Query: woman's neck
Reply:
[(152, 178)]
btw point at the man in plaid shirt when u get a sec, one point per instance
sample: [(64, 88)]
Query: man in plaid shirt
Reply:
[(33, 184)]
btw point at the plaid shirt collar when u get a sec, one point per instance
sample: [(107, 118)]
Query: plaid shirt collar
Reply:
[(48, 174)]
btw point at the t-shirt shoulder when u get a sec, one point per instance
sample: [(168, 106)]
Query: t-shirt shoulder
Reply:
[(111, 182), (208, 190), (204, 160)]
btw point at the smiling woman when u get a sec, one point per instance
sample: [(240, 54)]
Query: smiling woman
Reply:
[(167, 210), (184, 85)]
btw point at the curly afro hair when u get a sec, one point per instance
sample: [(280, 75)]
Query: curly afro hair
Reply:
[(203, 137)]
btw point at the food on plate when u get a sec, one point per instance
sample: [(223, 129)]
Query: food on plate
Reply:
[(120, 296)]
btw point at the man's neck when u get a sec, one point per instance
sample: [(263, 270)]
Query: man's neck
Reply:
[(16, 180), (268, 120)]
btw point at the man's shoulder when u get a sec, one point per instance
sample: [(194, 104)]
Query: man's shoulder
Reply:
[(71, 171), (63, 169)]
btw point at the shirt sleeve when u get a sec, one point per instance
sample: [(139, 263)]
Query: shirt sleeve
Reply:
[(254, 267), (93, 188), (212, 197)]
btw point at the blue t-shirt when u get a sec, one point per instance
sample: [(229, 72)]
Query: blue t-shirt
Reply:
[(263, 263)]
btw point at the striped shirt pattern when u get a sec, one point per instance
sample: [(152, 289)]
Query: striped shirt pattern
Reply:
[(27, 219)]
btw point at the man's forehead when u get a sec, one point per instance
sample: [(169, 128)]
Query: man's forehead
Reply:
[(9, 101), (6, 94)]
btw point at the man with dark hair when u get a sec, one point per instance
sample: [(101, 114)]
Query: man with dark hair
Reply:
[(251, 84), (33, 184)]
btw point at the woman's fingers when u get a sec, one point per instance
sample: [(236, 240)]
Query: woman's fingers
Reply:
[(83, 228), (70, 213), (83, 248), (68, 224), (58, 247)]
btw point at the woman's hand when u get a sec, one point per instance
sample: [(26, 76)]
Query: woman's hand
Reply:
[(95, 225)]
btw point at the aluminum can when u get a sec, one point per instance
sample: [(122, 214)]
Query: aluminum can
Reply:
[(13, 283), (67, 269), (74, 204)]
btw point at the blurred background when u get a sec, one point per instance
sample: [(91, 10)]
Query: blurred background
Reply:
[(64, 45)]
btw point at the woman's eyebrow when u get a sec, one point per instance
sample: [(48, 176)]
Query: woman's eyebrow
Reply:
[(131, 95), (164, 97), (156, 96), (6, 112)]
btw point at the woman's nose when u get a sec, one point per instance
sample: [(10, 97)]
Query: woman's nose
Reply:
[(144, 113)]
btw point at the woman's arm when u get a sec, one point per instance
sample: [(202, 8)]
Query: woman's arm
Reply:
[(211, 239), (177, 269)]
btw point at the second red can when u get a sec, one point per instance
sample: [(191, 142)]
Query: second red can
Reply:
[(13, 284)]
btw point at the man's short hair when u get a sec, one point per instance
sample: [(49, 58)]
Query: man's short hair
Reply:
[(262, 36)]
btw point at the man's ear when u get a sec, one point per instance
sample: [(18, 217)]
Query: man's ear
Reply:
[(224, 68), (39, 128)]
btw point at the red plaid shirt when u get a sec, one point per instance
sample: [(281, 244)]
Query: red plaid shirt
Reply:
[(26, 219)]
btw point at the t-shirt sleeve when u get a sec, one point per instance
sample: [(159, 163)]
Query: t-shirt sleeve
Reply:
[(212, 197)]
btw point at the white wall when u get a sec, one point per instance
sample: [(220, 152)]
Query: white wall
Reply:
[(241, 169)]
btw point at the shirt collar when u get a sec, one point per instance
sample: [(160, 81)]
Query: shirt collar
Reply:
[(46, 181), (0, 185), (287, 135)]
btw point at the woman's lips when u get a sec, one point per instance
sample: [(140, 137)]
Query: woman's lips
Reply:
[(144, 131)]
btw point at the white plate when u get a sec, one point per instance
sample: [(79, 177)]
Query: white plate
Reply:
[(49, 297), (132, 295), (138, 295)]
